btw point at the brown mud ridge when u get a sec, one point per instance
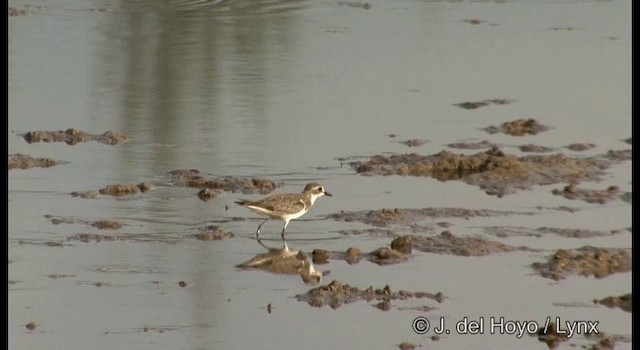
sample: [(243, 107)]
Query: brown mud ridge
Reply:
[(387, 217), (590, 196), (586, 261), (193, 178), (356, 4), (519, 231), (474, 105), (23, 161), (213, 233), (73, 136), (493, 171), (623, 302), (336, 294), (99, 224), (118, 190), (519, 127)]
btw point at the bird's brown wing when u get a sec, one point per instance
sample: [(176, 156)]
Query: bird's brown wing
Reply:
[(283, 204)]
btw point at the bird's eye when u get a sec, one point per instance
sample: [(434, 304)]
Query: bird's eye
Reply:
[(321, 189)]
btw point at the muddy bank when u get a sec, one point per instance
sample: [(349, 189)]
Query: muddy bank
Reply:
[(586, 261), (336, 294), (590, 196), (623, 302), (493, 171), (73, 136), (23, 161), (519, 127), (478, 104), (520, 231), (195, 179), (387, 217)]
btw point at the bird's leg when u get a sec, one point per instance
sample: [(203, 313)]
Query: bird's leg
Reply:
[(284, 243), (259, 227)]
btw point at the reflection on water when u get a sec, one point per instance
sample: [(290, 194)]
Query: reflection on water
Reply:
[(282, 90)]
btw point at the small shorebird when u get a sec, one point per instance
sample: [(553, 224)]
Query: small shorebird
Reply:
[(286, 206)]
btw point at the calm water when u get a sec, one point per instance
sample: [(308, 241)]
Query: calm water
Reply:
[(282, 90)]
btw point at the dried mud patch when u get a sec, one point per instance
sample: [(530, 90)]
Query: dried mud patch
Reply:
[(387, 217), (623, 302), (493, 171), (586, 261), (73, 136), (23, 161), (520, 231), (336, 294), (195, 179), (590, 196)]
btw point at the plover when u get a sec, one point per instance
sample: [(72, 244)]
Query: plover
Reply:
[(286, 206)]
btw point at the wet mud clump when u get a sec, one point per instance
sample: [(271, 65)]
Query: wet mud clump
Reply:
[(550, 336), (118, 190), (619, 155), (448, 243), (100, 224), (73, 136), (530, 148), (478, 104), (23, 161), (494, 171), (336, 294), (473, 145), (623, 302), (586, 261), (387, 217), (414, 142), (193, 178), (213, 233), (519, 127), (590, 196), (207, 194), (579, 147)]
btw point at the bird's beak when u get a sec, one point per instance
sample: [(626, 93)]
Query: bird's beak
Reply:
[(328, 194)]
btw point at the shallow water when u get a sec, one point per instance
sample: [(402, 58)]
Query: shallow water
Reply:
[(284, 90)]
